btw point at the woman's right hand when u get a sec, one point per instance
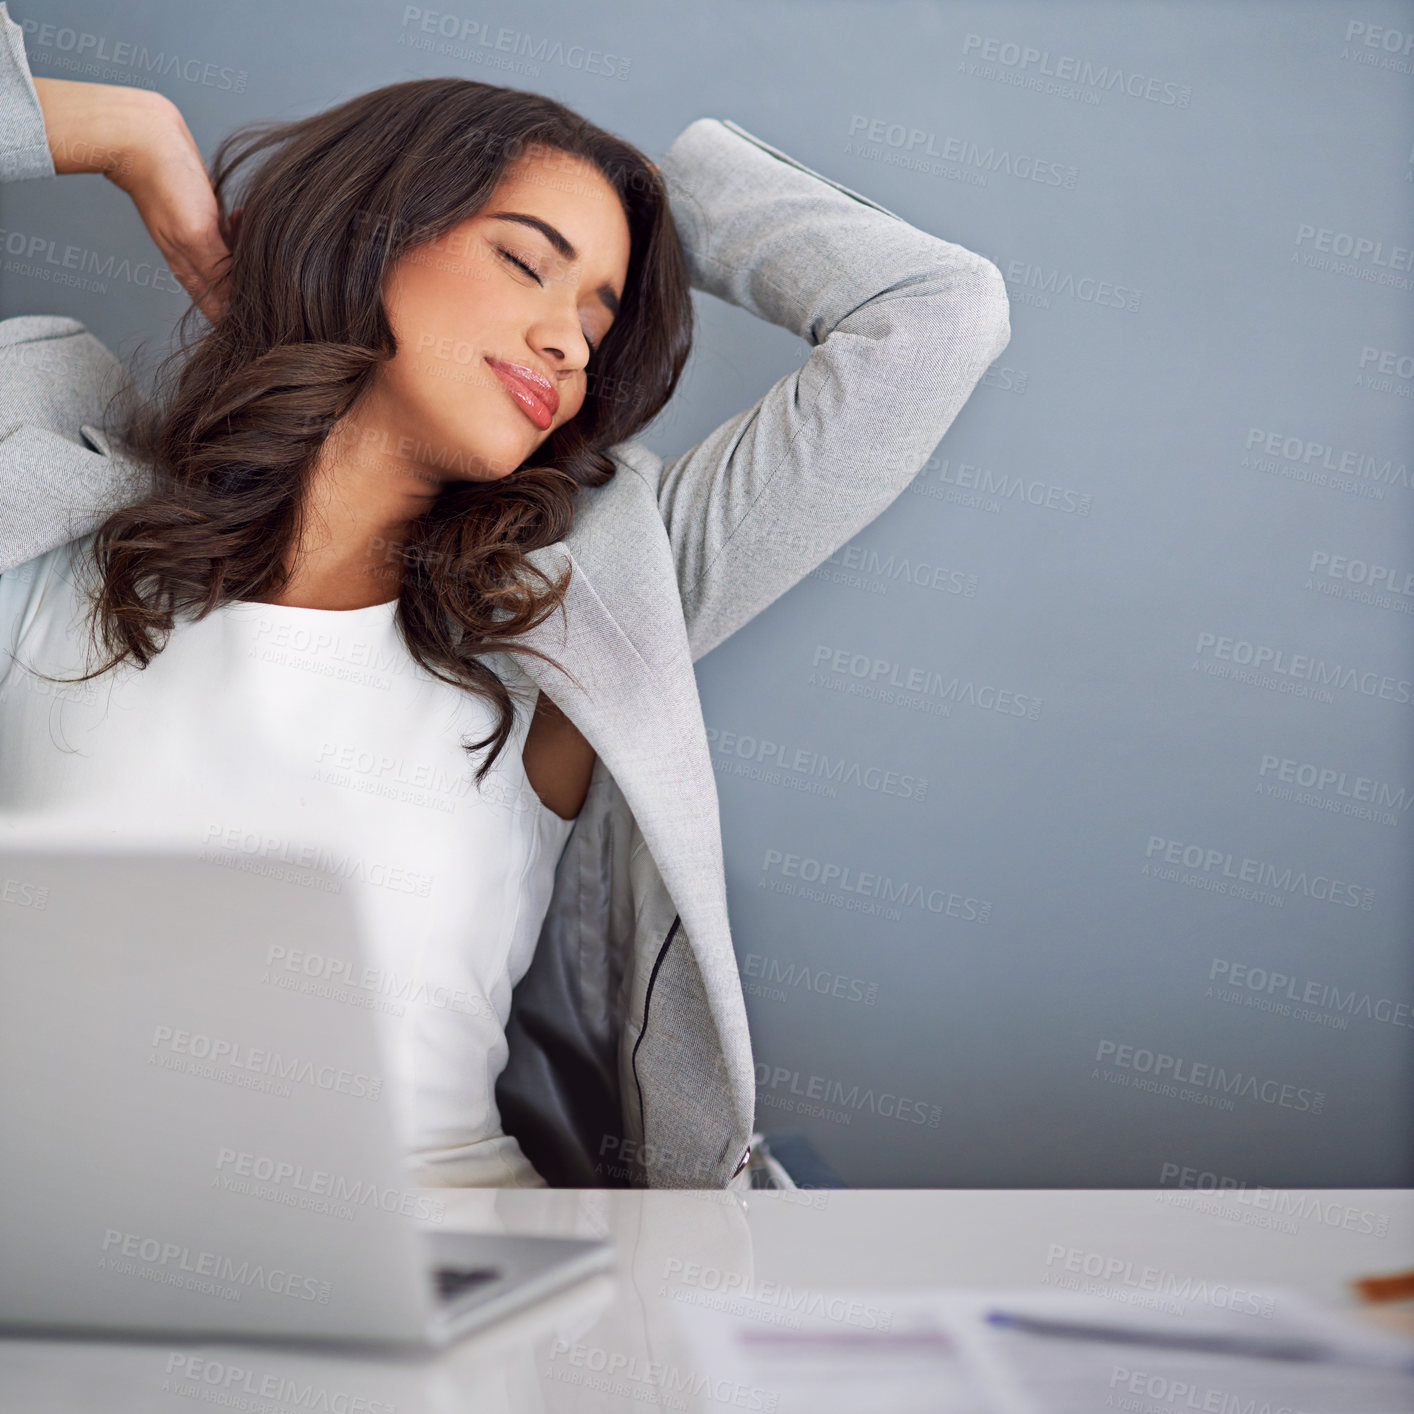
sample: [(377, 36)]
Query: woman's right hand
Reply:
[(139, 140)]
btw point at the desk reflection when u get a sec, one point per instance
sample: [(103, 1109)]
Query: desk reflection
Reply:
[(613, 1341)]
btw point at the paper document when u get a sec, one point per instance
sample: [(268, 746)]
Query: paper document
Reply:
[(912, 1350)]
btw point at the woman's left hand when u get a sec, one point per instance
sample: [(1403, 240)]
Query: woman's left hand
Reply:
[(139, 140)]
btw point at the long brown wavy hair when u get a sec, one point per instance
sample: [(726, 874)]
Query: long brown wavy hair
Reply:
[(239, 413)]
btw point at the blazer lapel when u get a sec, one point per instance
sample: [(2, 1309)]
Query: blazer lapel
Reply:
[(643, 718), (639, 717)]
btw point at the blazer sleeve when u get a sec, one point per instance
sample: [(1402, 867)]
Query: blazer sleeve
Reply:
[(24, 148), (59, 476), (902, 325)]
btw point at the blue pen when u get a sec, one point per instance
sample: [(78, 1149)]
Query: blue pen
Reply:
[(1258, 1347)]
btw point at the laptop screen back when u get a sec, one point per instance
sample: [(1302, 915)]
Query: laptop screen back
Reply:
[(190, 1139)]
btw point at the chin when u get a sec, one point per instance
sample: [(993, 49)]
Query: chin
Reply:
[(503, 454), (471, 456)]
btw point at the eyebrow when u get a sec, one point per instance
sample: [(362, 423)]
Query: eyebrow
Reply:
[(605, 292)]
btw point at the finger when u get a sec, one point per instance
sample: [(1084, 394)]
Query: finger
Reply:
[(199, 261), (199, 276)]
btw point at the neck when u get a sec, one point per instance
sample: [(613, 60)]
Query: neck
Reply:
[(356, 513)]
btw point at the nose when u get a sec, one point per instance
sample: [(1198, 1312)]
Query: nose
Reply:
[(560, 339), (563, 355)]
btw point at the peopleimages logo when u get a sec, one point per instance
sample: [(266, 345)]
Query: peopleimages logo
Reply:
[(1269, 984), (1356, 247), (85, 52), (1221, 866), (1118, 1272), (943, 479), (786, 760), (775, 1083), (1333, 781), (330, 654), (1386, 370), (1025, 61), (1301, 674), (1180, 1394), (23, 894), (799, 1301), (319, 974), (239, 1386), (236, 842), (908, 145), (856, 890), (882, 675), (1204, 1075), (215, 1056), (1313, 457), (462, 38), (1279, 1202), (244, 1172), (152, 1252), (760, 974), (628, 1377), (40, 257), (1387, 361), (1048, 281), (885, 565)]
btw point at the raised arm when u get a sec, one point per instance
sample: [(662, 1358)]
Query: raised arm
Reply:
[(135, 137), (57, 479), (902, 324), (24, 146)]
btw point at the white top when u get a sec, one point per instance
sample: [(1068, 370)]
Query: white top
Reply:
[(268, 732)]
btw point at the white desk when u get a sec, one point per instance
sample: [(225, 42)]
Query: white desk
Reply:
[(680, 1250)]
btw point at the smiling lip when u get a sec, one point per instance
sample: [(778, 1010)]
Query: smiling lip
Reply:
[(535, 396)]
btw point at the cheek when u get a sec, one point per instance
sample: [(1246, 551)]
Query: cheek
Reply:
[(571, 401), (440, 316), (440, 360)]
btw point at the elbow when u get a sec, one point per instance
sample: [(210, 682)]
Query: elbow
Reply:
[(964, 318), (993, 310)]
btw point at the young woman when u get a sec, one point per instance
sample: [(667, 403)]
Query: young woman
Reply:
[(378, 582)]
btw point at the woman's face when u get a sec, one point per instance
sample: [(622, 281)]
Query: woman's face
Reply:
[(491, 357)]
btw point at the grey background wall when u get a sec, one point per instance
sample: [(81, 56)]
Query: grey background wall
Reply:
[(1067, 809)]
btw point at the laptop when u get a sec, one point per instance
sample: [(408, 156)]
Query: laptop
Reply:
[(195, 1144)]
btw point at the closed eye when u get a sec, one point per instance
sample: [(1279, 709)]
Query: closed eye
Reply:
[(522, 265), (593, 348)]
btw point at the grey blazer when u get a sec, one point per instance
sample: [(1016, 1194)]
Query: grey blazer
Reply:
[(629, 1057)]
